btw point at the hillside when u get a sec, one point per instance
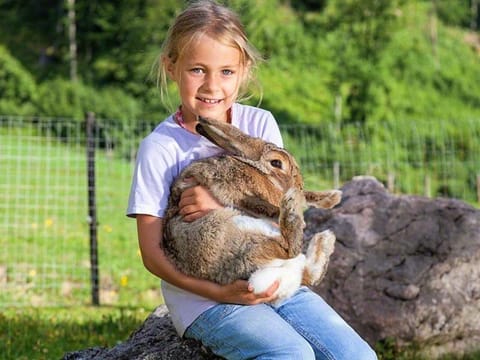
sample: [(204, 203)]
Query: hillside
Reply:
[(327, 61)]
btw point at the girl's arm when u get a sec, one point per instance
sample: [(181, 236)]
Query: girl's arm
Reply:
[(150, 230)]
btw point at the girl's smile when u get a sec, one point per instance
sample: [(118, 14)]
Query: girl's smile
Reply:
[(209, 101)]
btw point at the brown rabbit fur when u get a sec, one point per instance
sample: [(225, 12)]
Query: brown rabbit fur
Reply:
[(261, 224)]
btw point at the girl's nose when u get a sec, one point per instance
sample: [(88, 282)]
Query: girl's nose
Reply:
[(211, 81)]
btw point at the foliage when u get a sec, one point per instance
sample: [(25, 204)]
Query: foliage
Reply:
[(122, 39), (389, 350), (459, 13), (36, 26), (63, 98), (17, 86), (424, 78), (348, 61)]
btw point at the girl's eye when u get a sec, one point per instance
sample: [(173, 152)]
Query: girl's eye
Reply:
[(227, 72), (197, 70)]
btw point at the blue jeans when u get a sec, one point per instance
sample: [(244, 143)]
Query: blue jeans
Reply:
[(302, 327)]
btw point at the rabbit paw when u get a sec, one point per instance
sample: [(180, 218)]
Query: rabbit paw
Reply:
[(327, 239), (318, 254)]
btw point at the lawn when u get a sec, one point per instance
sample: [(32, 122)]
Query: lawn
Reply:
[(45, 259), (44, 227), (48, 333)]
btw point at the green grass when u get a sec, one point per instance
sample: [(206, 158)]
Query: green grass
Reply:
[(45, 250), (49, 333), (44, 232), (386, 350)]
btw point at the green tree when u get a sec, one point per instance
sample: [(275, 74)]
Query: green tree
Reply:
[(463, 13), (38, 27), (17, 86), (359, 31)]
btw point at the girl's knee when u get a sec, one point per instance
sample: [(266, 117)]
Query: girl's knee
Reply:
[(359, 350), (290, 349), (300, 350)]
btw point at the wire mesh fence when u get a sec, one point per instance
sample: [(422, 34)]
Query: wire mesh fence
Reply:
[(44, 226), (44, 212)]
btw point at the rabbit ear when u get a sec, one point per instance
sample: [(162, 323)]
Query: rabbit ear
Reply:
[(323, 199), (230, 138)]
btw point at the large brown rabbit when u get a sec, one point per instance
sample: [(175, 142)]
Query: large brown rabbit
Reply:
[(258, 234)]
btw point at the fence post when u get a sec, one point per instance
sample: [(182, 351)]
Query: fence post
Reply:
[(428, 186), (391, 182), (336, 175), (92, 208)]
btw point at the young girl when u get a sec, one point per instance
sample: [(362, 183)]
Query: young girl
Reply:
[(208, 56)]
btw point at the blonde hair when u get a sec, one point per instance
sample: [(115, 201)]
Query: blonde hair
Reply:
[(206, 17)]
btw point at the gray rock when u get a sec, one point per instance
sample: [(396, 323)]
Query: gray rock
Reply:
[(404, 267), (155, 340)]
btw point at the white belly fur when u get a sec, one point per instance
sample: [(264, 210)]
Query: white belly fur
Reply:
[(264, 226)]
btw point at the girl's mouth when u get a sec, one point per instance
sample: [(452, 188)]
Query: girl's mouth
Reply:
[(209, 101)]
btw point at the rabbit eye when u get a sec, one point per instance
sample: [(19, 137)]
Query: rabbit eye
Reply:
[(276, 163)]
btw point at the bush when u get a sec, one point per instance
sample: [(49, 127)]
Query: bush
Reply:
[(17, 86), (62, 98)]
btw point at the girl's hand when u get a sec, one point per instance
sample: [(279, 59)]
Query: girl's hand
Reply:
[(241, 292), (196, 202)]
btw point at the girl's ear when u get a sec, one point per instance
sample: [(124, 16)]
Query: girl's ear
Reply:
[(169, 67)]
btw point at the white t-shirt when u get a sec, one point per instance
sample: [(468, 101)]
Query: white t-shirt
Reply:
[(162, 155)]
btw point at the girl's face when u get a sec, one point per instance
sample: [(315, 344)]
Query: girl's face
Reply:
[(208, 76)]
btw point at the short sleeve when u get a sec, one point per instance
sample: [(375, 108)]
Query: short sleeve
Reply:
[(152, 177), (271, 131)]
